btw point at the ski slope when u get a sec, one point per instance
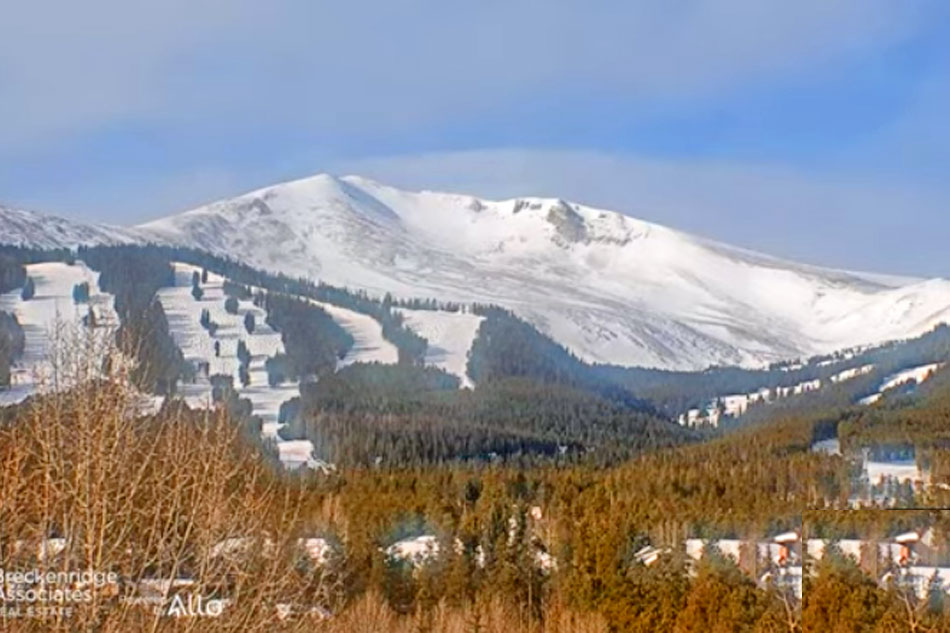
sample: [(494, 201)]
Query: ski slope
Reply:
[(611, 288), (913, 374), (183, 312), (369, 346), (52, 322), (735, 405), (916, 375), (450, 336), (854, 372)]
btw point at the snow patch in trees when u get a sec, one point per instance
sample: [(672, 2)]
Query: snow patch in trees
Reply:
[(450, 336), (183, 312), (197, 343), (915, 375), (369, 345), (52, 317)]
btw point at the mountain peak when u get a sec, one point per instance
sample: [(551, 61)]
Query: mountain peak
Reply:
[(611, 288)]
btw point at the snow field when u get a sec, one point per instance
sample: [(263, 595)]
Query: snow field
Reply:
[(734, 405), (916, 375), (197, 345), (848, 374), (450, 336), (50, 321), (611, 288), (369, 346)]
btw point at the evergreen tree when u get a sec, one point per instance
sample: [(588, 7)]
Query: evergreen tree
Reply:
[(12, 344), (29, 289), (243, 354), (81, 292)]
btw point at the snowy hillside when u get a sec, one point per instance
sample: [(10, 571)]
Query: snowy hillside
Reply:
[(53, 315), (26, 228), (183, 312), (915, 375), (611, 288), (450, 335), (198, 346), (369, 346)]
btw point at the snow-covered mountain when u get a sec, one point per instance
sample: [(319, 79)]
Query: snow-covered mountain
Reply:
[(612, 288), (38, 230)]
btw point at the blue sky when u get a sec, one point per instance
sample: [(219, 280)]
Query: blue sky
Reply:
[(814, 129)]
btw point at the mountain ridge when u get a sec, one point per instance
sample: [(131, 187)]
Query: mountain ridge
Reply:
[(612, 288)]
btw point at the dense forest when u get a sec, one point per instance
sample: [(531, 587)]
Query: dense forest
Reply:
[(404, 415), (540, 485), (751, 483), (12, 268), (550, 538)]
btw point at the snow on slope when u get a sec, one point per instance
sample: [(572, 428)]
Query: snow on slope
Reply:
[(854, 372), (735, 405), (914, 374), (51, 319), (183, 312), (26, 228), (450, 336), (369, 346), (610, 287)]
